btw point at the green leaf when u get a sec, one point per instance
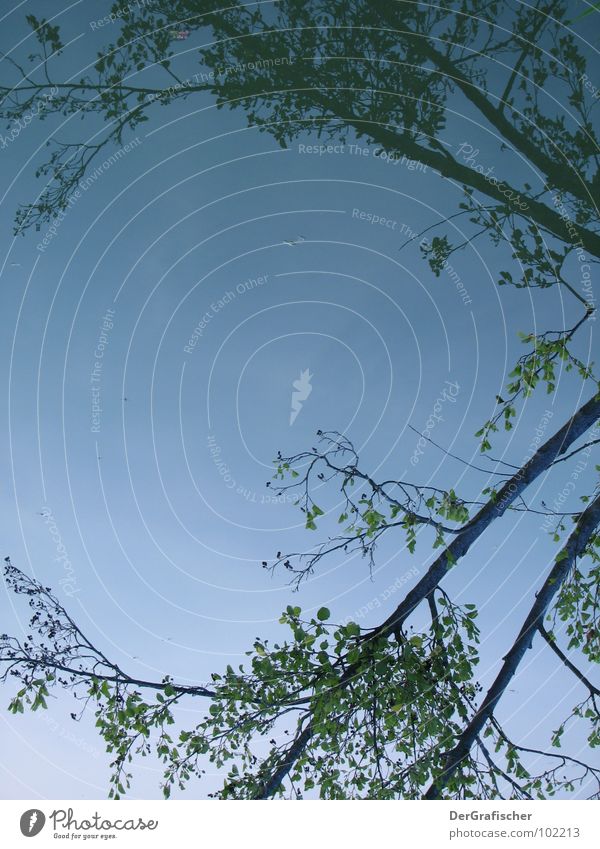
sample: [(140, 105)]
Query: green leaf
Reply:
[(323, 613), (352, 629), (561, 556)]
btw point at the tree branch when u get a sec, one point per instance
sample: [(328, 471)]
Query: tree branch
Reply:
[(271, 784), (584, 529), (594, 691), (583, 419), (542, 459)]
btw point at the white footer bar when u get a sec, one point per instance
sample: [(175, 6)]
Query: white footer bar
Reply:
[(299, 825)]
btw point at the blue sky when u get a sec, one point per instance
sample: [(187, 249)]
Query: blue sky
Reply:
[(164, 552)]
